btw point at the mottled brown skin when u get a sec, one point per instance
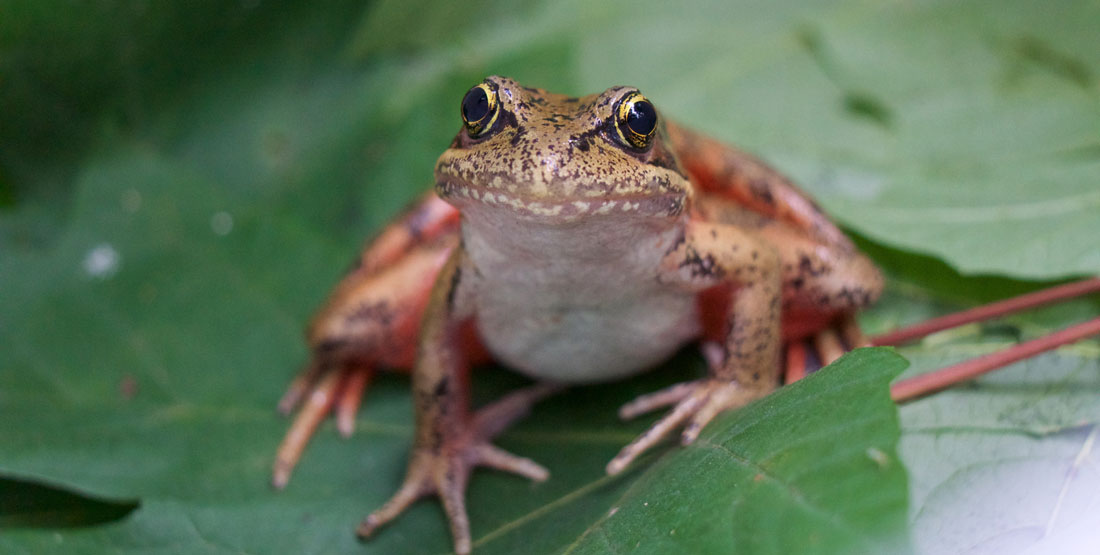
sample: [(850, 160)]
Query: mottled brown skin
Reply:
[(581, 258)]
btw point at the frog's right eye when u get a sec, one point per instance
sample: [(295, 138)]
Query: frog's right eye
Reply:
[(635, 121), (479, 110)]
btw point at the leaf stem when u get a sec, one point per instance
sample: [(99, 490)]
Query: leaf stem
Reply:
[(934, 381), (989, 311)]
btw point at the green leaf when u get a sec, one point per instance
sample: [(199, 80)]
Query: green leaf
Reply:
[(811, 469), (1036, 495), (182, 186), (26, 503), (1004, 462)]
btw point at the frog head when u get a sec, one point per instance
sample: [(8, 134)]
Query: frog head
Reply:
[(552, 158)]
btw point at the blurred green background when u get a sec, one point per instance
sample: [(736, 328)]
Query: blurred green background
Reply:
[(181, 184)]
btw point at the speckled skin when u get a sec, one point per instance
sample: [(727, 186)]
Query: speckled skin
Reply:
[(580, 258)]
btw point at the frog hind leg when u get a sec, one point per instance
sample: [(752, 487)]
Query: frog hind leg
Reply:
[(722, 170), (822, 348), (427, 219), (370, 321), (823, 289), (424, 225)]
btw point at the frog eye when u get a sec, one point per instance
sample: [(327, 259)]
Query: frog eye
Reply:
[(635, 121), (479, 109)]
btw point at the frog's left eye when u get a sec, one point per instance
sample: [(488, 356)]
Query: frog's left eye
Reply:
[(635, 121), (479, 110)]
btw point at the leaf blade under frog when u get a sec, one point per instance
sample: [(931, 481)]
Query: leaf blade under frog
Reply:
[(774, 477)]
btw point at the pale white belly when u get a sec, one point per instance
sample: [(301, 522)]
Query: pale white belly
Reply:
[(586, 342)]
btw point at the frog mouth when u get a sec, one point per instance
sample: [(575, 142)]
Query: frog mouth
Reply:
[(459, 191)]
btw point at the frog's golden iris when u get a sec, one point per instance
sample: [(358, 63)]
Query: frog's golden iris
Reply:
[(479, 109), (636, 121)]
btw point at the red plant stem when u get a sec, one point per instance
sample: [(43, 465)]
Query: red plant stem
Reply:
[(986, 312), (970, 369)]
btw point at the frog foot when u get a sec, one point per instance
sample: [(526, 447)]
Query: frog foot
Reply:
[(444, 470), (694, 403), (319, 389)]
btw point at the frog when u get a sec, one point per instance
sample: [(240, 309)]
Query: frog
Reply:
[(577, 240)]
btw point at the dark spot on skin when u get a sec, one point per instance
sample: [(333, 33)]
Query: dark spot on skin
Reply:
[(507, 119), (680, 240), (713, 234), (379, 312), (445, 189), (798, 282), (806, 267), (762, 191), (756, 376), (851, 297), (437, 438), (443, 387), (452, 289), (518, 136), (572, 99), (701, 265), (582, 141), (662, 157), (329, 346)]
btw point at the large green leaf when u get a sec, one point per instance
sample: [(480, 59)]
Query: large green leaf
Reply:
[(783, 476), (180, 186), (1005, 464)]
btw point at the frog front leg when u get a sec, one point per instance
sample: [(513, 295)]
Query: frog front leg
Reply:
[(746, 363), (450, 441)]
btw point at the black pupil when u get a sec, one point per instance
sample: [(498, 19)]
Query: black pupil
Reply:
[(475, 105), (642, 118)]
